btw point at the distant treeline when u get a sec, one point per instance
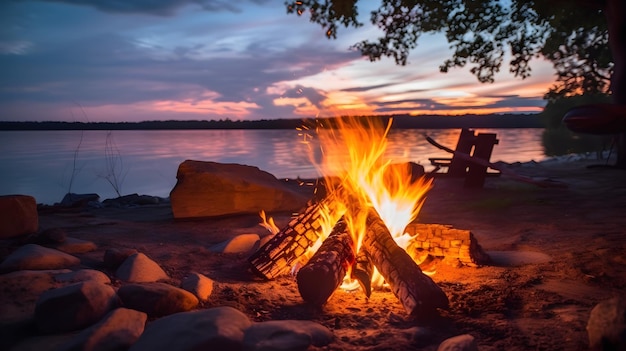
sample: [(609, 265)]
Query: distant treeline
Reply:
[(399, 122)]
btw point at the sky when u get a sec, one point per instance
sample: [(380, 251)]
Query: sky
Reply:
[(138, 60)]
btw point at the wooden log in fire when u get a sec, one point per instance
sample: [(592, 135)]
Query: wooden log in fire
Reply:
[(278, 255), (417, 292), (444, 241), (362, 271), (322, 275)]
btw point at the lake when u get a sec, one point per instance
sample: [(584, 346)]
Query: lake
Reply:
[(41, 163)]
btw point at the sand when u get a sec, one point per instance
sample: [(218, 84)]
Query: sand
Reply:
[(557, 252)]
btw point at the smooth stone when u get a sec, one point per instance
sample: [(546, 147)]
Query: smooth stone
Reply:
[(219, 328), (83, 275), (199, 285), (464, 342), (36, 257), (74, 306), (118, 330), (606, 326), (157, 299), (139, 268), (114, 257), (243, 243), (286, 335), (75, 246)]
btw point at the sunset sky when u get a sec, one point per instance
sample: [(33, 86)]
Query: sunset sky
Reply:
[(135, 60)]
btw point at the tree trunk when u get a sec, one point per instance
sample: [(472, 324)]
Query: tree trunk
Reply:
[(324, 272), (417, 292), (279, 254), (615, 12)]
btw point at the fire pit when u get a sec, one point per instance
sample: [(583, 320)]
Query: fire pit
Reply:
[(362, 233)]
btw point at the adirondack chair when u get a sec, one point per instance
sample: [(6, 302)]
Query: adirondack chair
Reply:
[(476, 145)]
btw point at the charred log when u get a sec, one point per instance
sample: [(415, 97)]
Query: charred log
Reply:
[(324, 272), (417, 292), (362, 271), (277, 256)]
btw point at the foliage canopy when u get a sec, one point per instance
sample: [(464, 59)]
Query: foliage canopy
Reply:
[(571, 34)]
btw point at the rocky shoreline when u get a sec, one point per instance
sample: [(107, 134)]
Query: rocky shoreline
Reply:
[(142, 274)]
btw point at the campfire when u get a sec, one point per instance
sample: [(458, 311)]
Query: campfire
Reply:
[(361, 232)]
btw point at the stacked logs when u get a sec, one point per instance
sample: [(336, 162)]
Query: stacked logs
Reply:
[(325, 270)]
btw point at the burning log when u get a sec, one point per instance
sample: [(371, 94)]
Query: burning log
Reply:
[(362, 271), (444, 241), (278, 255), (320, 277), (417, 292)]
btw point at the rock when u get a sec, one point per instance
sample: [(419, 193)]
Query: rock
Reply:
[(206, 189), (286, 335), (199, 285), (75, 246), (463, 342), (132, 200), (52, 236), (82, 276), (28, 285), (35, 257), (243, 243), (419, 336), (18, 215), (73, 307), (118, 330), (606, 326), (138, 268), (114, 257), (157, 299), (219, 328), (78, 200)]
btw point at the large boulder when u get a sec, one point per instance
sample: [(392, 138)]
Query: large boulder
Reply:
[(18, 215), (206, 189)]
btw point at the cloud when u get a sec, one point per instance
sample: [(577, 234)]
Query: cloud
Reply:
[(156, 7)]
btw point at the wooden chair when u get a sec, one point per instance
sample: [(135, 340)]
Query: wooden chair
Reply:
[(475, 145)]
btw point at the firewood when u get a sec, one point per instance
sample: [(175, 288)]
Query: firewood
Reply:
[(362, 271), (278, 255), (444, 241), (418, 293), (324, 272)]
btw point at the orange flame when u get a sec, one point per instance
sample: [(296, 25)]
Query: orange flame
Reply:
[(360, 176)]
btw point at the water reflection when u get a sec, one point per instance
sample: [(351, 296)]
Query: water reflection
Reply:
[(41, 163)]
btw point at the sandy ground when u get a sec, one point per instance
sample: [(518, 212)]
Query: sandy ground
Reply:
[(558, 252)]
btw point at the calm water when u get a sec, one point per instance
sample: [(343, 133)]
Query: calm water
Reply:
[(41, 163)]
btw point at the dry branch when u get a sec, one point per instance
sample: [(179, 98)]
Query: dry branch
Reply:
[(278, 255), (417, 292), (324, 272)]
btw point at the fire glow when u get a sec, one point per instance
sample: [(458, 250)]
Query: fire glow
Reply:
[(358, 177)]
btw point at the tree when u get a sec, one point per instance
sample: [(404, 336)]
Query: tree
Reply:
[(584, 39)]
